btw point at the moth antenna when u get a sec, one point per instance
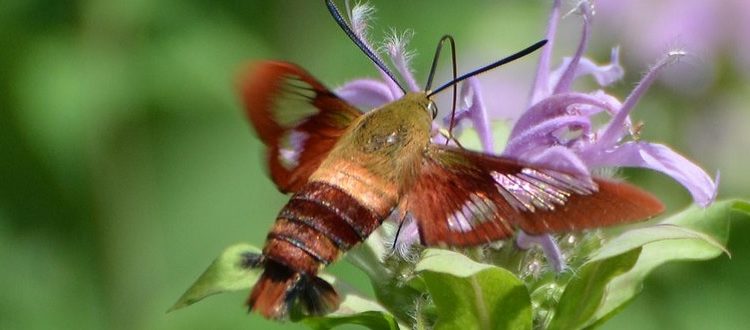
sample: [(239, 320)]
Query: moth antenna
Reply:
[(362, 46), (511, 58), (435, 59), (441, 43)]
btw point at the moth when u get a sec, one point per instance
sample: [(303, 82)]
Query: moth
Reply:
[(348, 171)]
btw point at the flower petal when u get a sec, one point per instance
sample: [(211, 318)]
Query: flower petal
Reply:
[(567, 77), (408, 235), (603, 74), (366, 93), (555, 106), (548, 245), (562, 159), (359, 21), (471, 99), (660, 158), (543, 134), (395, 45), (616, 128), (540, 86)]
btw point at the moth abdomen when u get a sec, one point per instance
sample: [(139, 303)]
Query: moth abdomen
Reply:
[(318, 224)]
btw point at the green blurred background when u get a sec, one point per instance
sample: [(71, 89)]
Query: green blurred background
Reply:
[(126, 164)]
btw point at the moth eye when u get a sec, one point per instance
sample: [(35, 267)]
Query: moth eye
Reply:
[(432, 107)]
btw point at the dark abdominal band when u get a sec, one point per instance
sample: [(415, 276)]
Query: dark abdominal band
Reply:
[(319, 221)]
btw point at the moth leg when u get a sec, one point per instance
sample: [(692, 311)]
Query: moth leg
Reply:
[(548, 245), (449, 137), (398, 231), (406, 236)]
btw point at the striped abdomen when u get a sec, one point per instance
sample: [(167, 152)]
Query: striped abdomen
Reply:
[(320, 222)]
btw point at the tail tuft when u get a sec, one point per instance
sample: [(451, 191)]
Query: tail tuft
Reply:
[(279, 287), (275, 291), (318, 297)]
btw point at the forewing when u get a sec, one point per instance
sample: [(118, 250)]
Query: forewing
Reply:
[(297, 118), (464, 198)]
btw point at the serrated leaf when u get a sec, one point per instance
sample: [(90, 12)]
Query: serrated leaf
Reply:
[(471, 295), (226, 273), (586, 291), (712, 222)]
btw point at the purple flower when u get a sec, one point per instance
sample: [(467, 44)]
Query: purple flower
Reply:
[(557, 127)]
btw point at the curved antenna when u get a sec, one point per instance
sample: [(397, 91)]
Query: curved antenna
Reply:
[(511, 58), (374, 58), (440, 45)]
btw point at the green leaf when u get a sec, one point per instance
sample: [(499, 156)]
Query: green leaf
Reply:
[(471, 295), (226, 273), (586, 291), (639, 237), (371, 319), (396, 297), (389, 289), (705, 232)]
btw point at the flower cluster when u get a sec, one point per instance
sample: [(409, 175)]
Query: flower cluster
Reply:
[(558, 128)]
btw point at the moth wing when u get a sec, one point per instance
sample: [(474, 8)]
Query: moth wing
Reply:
[(465, 198), (297, 118)]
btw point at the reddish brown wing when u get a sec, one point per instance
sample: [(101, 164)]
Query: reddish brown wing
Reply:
[(464, 198), (295, 116)]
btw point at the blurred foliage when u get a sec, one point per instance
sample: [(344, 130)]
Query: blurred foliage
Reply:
[(126, 164)]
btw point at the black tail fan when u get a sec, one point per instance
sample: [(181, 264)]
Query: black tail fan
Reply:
[(318, 297), (279, 287)]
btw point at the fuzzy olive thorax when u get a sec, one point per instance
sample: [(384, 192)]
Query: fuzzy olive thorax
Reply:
[(389, 141)]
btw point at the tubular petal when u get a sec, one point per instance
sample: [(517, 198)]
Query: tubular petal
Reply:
[(366, 93), (660, 158)]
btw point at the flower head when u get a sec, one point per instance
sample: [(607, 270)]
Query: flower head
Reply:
[(557, 128)]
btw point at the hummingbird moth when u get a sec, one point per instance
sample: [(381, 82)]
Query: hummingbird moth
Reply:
[(348, 171)]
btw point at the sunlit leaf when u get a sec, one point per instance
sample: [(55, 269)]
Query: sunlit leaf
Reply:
[(711, 229), (586, 291), (636, 238), (470, 295), (370, 319), (227, 273), (392, 294)]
